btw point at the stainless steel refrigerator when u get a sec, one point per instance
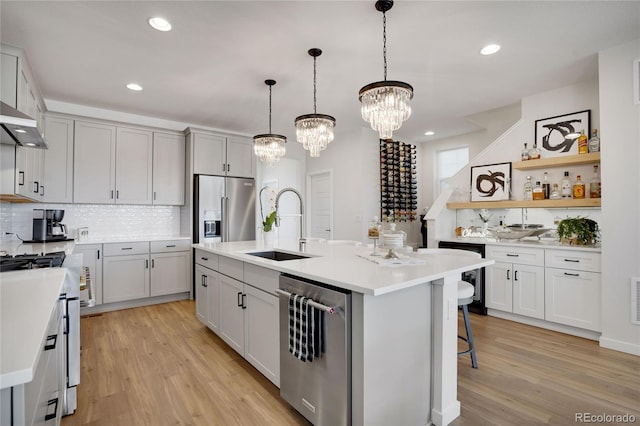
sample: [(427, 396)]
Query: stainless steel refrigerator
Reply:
[(224, 209)]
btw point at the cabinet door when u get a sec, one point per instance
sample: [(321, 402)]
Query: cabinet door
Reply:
[(125, 278), (168, 169), (573, 298), (528, 290), (261, 333), (169, 273), (232, 312), (134, 173), (58, 160), (92, 258), (28, 172), (499, 290), (94, 163), (202, 293), (240, 158), (208, 154), (8, 80), (213, 300)]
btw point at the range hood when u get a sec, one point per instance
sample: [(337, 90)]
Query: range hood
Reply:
[(18, 128)]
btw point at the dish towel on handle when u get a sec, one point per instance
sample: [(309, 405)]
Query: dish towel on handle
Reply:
[(305, 329)]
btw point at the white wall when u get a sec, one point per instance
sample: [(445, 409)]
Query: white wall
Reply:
[(494, 123), (620, 138)]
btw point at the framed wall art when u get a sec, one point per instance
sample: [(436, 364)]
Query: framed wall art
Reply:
[(490, 182), (556, 136)]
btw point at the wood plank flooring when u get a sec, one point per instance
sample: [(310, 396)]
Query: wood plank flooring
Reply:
[(158, 365)]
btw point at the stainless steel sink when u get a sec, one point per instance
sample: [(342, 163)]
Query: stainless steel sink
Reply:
[(278, 255)]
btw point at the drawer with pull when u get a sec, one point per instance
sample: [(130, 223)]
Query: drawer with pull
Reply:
[(573, 259), (520, 255), (206, 259), (125, 249), (169, 246)]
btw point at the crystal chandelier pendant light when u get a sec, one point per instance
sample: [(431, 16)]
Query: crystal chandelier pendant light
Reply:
[(385, 104), (315, 131), (269, 147)]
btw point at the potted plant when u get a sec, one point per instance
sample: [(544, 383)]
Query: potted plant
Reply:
[(578, 231), (267, 224)]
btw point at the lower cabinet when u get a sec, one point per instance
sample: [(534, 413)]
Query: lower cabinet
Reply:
[(169, 273), (39, 402), (242, 309), (126, 277), (516, 287)]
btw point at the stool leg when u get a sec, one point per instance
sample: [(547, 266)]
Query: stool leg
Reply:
[(467, 326)]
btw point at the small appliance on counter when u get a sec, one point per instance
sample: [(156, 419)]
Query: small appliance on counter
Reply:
[(47, 226)]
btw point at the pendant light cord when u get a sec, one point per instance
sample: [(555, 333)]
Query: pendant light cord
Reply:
[(384, 43), (314, 85), (270, 109)]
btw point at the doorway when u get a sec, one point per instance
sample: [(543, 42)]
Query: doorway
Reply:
[(320, 204)]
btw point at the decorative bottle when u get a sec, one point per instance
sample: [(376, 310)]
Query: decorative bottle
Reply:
[(578, 188), (538, 193), (594, 184), (583, 145), (546, 187), (534, 153), (555, 192), (565, 189), (524, 155), (594, 142), (528, 189)]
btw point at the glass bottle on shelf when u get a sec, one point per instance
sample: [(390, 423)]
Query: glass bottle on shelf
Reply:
[(594, 142), (538, 193), (546, 186), (534, 153), (583, 146), (594, 184), (373, 232), (555, 192), (528, 189), (565, 189), (524, 155), (578, 188)]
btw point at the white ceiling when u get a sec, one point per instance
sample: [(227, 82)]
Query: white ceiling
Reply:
[(210, 69)]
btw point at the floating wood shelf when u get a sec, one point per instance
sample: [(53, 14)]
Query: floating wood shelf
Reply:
[(569, 160), (587, 202)]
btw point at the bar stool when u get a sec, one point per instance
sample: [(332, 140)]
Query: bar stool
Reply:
[(465, 296)]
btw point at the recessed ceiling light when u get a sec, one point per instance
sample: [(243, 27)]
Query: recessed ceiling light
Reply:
[(134, 86), (30, 144), (490, 49), (429, 133), (20, 131), (160, 24)]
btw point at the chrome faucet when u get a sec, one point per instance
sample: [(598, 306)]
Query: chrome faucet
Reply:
[(302, 241)]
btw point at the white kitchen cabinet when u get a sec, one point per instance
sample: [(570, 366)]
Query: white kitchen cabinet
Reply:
[(134, 172), (92, 258), (94, 163), (112, 164), (170, 267), (261, 332), (168, 168), (19, 87), (202, 292), (215, 154), (572, 288), (207, 290), (29, 167), (232, 307), (58, 160), (126, 274), (516, 287)]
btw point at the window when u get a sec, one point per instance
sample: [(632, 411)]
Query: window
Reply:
[(448, 163)]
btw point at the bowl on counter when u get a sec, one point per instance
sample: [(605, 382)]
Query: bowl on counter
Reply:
[(510, 234)]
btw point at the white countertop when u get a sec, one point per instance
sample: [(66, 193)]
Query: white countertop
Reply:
[(126, 239), (343, 266), (18, 247), (525, 242), (27, 299)]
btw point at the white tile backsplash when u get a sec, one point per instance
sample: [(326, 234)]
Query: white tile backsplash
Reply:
[(103, 221)]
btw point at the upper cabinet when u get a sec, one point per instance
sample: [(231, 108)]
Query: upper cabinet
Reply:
[(168, 168), (58, 160), (123, 165), (215, 154)]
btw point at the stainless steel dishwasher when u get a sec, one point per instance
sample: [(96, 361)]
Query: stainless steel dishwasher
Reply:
[(320, 390)]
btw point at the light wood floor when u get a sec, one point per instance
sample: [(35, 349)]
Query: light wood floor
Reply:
[(158, 365)]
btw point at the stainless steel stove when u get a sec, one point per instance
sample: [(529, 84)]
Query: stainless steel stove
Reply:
[(31, 261)]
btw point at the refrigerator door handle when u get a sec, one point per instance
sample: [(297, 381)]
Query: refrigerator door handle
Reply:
[(226, 215)]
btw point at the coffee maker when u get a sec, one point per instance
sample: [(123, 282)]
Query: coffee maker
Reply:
[(47, 225)]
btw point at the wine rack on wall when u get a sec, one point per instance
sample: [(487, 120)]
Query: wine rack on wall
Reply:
[(398, 184)]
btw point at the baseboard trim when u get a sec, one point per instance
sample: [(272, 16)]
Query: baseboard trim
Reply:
[(116, 306), (566, 329), (620, 346)]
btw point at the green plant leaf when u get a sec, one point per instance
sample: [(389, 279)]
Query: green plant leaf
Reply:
[(267, 225)]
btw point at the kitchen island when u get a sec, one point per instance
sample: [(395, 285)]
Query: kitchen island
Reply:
[(404, 325)]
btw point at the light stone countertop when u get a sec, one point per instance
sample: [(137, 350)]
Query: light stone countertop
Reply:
[(349, 267), (27, 300), (525, 242)]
